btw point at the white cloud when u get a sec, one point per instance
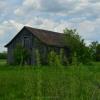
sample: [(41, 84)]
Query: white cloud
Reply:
[(2, 5), (9, 26), (3, 27), (1, 32), (17, 25), (27, 6), (32, 3), (18, 12), (52, 15), (85, 28), (61, 6)]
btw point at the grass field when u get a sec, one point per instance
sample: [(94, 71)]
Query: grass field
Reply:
[(49, 83)]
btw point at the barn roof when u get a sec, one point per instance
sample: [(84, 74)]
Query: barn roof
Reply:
[(47, 37)]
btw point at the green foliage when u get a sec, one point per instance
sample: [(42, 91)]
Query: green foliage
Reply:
[(61, 56), (95, 51), (77, 46), (93, 47), (51, 58), (57, 61), (75, 60), (54, 59), (3, 55), (65, 60), (84, 55), (72, 39), (49, 83), (38, 57), (21, 55), (98, 52)]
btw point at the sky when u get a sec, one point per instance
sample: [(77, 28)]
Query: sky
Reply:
[(54, 15)]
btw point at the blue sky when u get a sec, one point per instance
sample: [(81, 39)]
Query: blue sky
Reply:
[(55, 15)]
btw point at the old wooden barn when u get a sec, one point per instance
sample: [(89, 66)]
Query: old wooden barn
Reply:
[(32, 39)]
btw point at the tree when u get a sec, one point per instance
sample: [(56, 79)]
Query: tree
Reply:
[(98, 52), (72, 39), (93, 47), (77, 45), (3, 55)]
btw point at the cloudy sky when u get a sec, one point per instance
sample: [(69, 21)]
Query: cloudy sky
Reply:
[(55, 15)]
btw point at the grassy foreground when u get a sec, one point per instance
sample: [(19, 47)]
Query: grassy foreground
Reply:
[(49, 83)]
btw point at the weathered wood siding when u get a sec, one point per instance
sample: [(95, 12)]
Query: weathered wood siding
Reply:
[(35, 43), (18, 40)]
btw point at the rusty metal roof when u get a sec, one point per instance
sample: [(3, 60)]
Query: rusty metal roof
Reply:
[(47, 37)]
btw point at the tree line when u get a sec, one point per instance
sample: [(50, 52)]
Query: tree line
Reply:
[(3, 55), (84, 54)]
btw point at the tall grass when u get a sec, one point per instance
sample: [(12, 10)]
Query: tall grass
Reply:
[(50, 82)]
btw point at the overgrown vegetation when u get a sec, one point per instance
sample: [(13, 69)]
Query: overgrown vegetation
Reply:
[(38, 57), (95, 51), (84, 54), (98, 52), (3, 55), (54, 59), (21, 55), (78, 50), (77, 81), (80, 82)]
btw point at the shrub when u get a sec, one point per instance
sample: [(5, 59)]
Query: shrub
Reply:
[(3, 55), (51, 58), (55, 59), (61, 56), (92, 49), (21, 55), (75, 60), (98, 52), (38, 57), (77, 45)]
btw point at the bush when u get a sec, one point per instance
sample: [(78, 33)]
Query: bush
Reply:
[(38, 57), (77, 45), (51, 58), (3, 55), (21, 55), (95, 51), (64, 60), (75, 60), (92, 49), (55, 59), (61, 55), (98, 52)]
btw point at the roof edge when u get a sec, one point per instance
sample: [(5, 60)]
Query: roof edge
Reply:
[(14, 37), (27, 27)]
